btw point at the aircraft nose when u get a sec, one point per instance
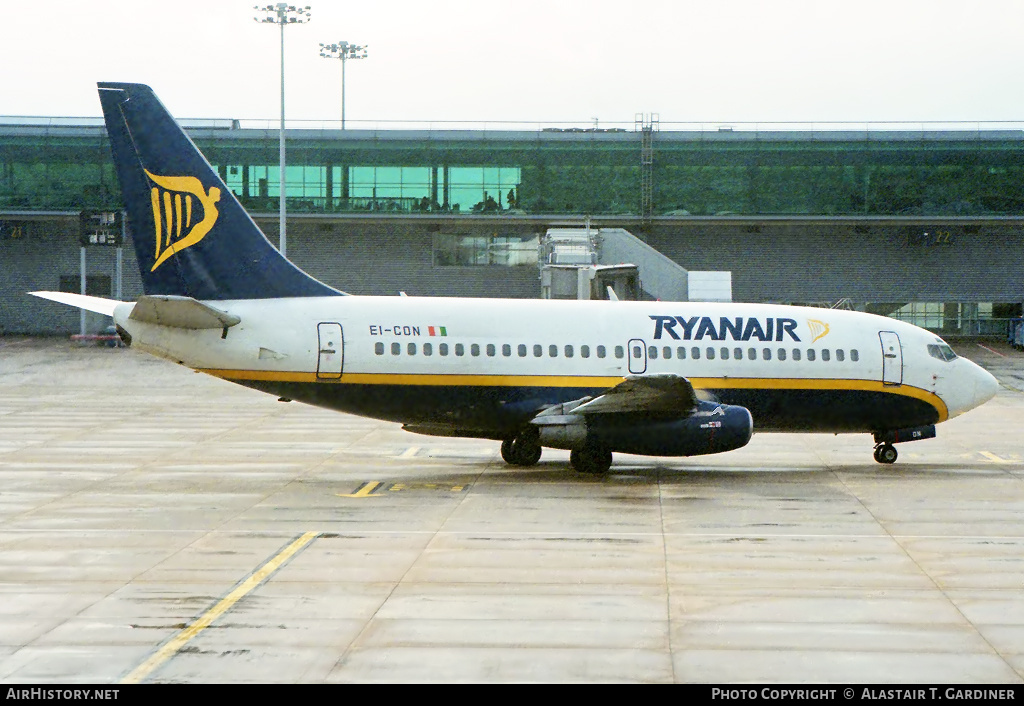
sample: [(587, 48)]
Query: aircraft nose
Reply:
[(985, 385), (969, 386)]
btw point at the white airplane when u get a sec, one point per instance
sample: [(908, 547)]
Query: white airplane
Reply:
[(651, 378)]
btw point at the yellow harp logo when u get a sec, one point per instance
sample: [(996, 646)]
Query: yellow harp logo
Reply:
[(819, 329), (175, 214)]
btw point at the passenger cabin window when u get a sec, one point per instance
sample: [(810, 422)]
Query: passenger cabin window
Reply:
[(711, 353), (854, 356), (840, 355), (412, 349), (474, 349), (538, 350), (600, 352), (811, 354), (490, 350), (584, 351), (825, 355), (396, 348), (568, 351), (681, 353), (442, 348), (751, 354), (782, 354), (652, 352), (725, 353), (638, 352), (620, 351), (378, 348), (521, 349), (428, 349), (666, 352), (553, 350), (767, 353), (796, 354), (695, 353), (460, 349), (506, 349)]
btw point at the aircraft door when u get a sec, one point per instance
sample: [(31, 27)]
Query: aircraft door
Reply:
[(637, 352), (892, 358), (332, 351)]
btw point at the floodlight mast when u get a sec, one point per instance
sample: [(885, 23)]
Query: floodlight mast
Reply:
[(343, 51), (282, 14)]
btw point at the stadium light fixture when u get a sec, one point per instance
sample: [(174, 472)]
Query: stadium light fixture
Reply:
[(282, 14), (343, 51)]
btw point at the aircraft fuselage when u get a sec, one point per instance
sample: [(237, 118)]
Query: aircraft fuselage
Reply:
[(486, 366)]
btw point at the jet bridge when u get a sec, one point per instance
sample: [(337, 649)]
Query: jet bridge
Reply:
[(582, 263)]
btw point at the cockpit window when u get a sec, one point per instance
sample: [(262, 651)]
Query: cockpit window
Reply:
[(941, 351)]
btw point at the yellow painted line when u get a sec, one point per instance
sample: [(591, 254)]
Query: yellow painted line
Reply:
[(993, 458), (409, 452), (223, 606), (363, 491)]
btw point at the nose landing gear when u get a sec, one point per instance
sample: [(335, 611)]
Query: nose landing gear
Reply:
[(886, 453)]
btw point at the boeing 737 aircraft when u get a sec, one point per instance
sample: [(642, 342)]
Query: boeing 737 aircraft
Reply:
[(596, 377)]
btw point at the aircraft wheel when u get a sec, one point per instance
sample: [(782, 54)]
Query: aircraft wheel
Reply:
[(594, 461), (886, 453), (506, 451), (523, 450)]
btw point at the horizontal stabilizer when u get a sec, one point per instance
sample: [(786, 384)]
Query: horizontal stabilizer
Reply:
[(96, 304), (180, 312)]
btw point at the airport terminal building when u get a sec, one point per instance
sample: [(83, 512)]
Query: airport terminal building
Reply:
[(923, 222)]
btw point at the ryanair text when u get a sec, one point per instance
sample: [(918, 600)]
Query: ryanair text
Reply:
[(697, 328)]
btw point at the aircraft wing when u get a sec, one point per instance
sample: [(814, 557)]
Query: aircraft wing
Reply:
[(650, 393)]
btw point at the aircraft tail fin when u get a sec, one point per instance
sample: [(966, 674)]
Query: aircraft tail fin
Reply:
[(192, 237)]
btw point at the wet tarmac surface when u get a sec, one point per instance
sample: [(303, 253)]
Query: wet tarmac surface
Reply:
[(158, 525)]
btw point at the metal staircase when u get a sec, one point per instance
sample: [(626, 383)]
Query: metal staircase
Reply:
[(647, 124)]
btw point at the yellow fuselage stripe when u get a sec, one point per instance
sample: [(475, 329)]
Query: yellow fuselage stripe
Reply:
[(438, 380)]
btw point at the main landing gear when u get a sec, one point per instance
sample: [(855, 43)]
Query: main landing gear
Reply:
[(522, 450), (591, 460), (885, 453)]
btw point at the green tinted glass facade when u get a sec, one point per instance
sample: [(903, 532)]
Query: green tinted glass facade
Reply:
[(968, 173)]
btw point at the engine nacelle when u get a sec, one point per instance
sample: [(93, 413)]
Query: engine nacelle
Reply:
[(712, 429)]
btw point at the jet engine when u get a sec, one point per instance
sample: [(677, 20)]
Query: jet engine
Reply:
[(712, 428)]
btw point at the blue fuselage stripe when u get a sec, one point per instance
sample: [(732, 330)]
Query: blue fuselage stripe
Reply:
[(497, 410)]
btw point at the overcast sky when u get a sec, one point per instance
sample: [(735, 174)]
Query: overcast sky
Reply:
[(530, 60)]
